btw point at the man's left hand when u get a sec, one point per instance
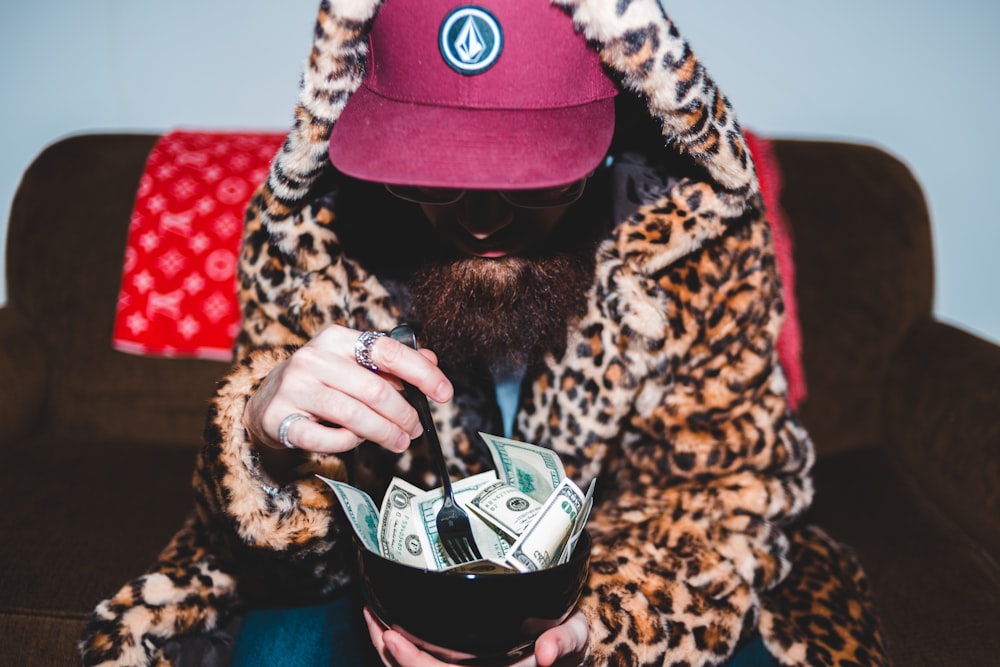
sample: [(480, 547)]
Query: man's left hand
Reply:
[(564, 645)]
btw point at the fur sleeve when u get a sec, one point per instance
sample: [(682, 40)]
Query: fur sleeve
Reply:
[(187, 590), (232, 489), (287, 297)]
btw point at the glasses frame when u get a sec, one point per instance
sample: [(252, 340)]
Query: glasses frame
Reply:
[(518, 198)]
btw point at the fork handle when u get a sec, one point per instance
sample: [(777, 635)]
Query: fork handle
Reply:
[(404, 334)]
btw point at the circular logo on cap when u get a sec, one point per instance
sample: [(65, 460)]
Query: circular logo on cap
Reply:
[(470, 40)]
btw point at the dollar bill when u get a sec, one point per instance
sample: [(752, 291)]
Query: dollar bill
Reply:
[(506, 509), (525, 516), (542, 544), (581, 522), (360, 511), (398, 531), (491, 545), (535, 471)]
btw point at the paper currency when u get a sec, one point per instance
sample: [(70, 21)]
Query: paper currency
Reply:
[(399, 534), (506, 509), (533, 470), (360, 511), (581, 521), (542, 544), (525, 516)]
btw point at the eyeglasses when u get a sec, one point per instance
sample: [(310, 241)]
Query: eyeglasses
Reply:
[(561, 195)]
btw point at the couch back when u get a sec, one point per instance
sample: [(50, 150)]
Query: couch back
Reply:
[(865, 278), (65, 249), (862, 251)]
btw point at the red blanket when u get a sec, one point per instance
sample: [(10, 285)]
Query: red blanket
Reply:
[(178, 289)]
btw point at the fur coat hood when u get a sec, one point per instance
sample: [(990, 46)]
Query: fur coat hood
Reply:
[(669, 393)]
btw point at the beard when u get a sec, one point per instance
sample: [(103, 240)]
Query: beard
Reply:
[(508, 312)]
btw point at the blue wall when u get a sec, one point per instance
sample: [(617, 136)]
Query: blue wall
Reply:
[(916, 78)]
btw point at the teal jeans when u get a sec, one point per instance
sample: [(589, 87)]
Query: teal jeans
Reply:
[(335, 635)]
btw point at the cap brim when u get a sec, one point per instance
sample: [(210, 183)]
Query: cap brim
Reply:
[(384, 140)]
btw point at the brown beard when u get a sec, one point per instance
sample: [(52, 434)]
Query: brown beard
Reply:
[(508, 312)]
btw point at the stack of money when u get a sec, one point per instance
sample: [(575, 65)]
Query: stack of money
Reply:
[(526, 515)]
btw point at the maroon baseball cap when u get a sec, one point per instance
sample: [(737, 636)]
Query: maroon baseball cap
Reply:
[(499, 94)]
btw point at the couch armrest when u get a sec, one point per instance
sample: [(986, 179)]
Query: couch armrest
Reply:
[(22, 367), (943, 421)]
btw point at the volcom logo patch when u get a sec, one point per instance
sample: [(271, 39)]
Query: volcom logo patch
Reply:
[(470, 40)]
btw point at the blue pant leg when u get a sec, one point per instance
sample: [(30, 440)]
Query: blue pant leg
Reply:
[(331, 634), (752, 654)]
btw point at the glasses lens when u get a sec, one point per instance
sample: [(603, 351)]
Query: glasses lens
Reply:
[(421, 195), (546, 197)]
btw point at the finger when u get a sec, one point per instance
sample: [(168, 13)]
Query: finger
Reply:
[(391, 358), (413, 366), (329, 438), (312, 436), (320, 434), (341, 392), (376, 632), (372, 410), (404, 652), (568, 639), (430, 356)]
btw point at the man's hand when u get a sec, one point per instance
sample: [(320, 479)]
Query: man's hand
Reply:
[(564, 646), (344, 403)]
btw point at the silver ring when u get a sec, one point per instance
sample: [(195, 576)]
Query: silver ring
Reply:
[(284, 426), (363, 348)]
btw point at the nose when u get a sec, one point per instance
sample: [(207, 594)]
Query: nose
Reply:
[(484, 213)]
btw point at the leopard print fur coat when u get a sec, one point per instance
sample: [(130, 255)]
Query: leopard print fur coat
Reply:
[(669, 392)]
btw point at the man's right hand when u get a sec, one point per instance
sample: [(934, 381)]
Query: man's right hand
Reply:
[(345, 402)]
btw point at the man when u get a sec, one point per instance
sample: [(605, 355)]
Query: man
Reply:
[(576, 231)]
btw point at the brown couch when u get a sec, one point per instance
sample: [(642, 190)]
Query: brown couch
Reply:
[(98, 446)]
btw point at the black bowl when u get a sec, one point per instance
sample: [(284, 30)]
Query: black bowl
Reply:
[(472, 618)]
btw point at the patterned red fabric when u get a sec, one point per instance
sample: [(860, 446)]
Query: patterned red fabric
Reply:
[(178, 290)]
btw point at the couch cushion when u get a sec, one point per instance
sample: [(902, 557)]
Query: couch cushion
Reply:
[(936, 593), (81, 518), (944, 428)]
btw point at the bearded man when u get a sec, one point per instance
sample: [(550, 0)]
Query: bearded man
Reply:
[(559, 199)]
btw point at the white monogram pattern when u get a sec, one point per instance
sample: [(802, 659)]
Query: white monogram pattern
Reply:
[(178, 290)]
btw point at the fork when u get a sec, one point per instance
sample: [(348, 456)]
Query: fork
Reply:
[(453, 524)]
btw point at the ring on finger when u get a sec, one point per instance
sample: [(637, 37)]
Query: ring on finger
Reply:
[(363, 348), (286, 423)]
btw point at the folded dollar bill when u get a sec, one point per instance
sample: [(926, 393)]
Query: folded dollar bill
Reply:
[(526, 515), (535, 471), (506, 509)]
